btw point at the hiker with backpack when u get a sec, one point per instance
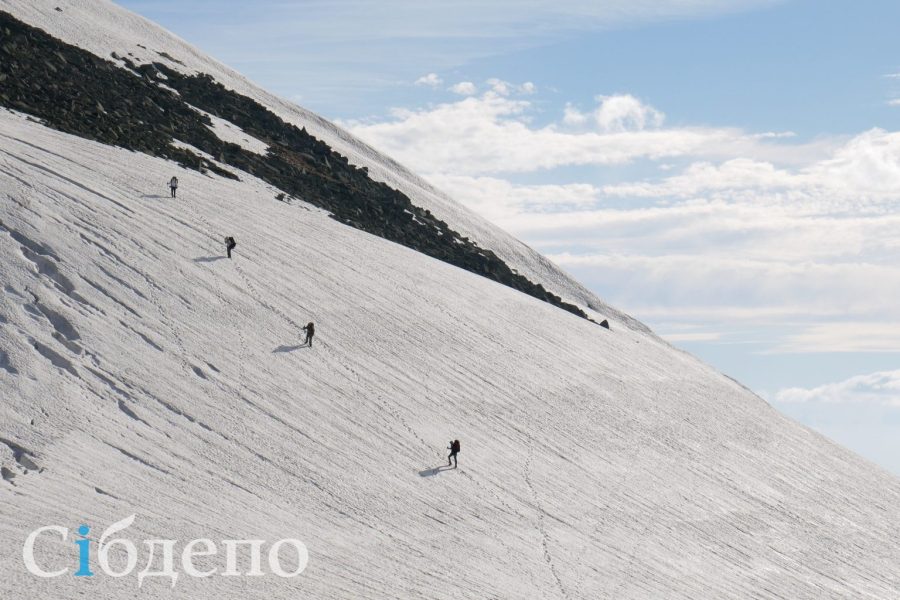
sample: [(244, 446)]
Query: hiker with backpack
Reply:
[(310, 330), (454, 450), (173, 185), (229, 245)]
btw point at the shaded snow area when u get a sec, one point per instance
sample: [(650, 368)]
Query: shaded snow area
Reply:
[(141, 372), (106, 29)]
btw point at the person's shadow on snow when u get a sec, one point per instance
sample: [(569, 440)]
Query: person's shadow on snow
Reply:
[(154, 197), (281, 349), (434, 471), (208, 259)]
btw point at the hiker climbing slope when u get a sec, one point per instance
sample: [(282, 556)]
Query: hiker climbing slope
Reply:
[(229, 245), (310, 330), (173, 185), (454, 450)]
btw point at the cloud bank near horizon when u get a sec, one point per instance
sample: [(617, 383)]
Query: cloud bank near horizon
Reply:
[(721, 223)]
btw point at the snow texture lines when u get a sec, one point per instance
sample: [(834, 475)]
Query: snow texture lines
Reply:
[(646, 474), (542, 526)]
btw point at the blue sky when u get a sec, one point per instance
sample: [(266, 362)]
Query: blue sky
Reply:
[(728, 171)]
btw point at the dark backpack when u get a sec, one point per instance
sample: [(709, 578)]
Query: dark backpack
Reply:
[(454, 447)]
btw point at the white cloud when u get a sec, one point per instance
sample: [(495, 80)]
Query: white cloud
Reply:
[(464, 88), (894, 102), (713, 280), (862, 172), (499, 87), (497, 199), (617, 113), (574, 117), (430, 80), (878, 336), (697, 178), (691, 336), (494, 133), (882, 388), (624, 113)]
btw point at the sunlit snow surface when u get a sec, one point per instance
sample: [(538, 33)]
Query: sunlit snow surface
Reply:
[(146, 374)]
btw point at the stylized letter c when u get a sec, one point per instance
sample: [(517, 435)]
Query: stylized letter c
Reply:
[(28, 551)]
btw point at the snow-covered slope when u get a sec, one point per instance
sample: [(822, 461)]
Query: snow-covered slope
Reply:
[(144, 373), (104, 29)]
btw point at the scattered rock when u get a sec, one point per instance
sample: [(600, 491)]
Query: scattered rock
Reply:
[(7, 475), (170, 58), (104, 493), (27, 463)]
